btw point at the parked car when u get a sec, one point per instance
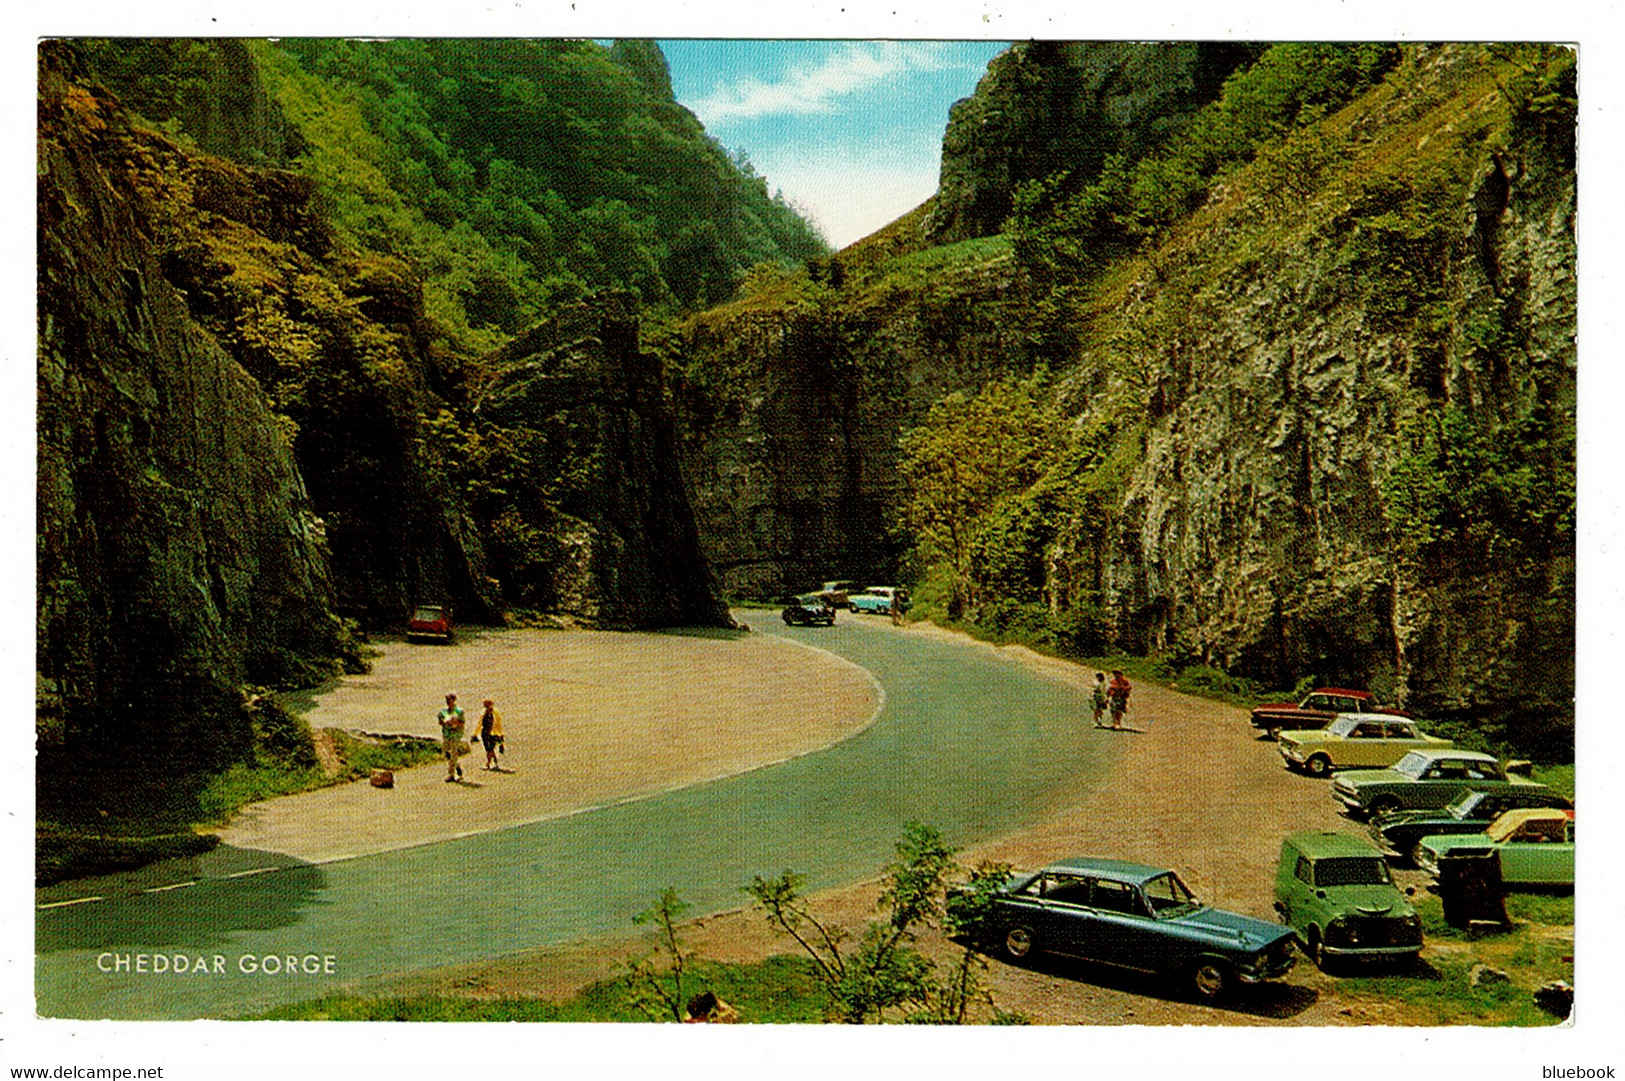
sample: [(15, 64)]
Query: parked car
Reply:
[(430, 621), (808, 610), (1536, 847), (1402, 832), (878, 599), (1424, 779), (1137, 917), (836, 593), (1368, 740), (1336, 893), (1318, 709)]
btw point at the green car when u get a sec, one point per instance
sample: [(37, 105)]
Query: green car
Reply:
[(1424, 779), (1536, 848), (1335, 891)]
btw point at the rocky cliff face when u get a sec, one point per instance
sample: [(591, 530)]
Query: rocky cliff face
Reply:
[(178, 553), (1258, 529), (617, 540), (339, 342), (1266, 378), (792, 409), (1045, 106)]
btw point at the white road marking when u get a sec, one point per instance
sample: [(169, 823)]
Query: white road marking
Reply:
[(64, 904)]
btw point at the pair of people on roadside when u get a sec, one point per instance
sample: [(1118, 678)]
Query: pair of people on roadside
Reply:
[(453, 724), (1113, 697)]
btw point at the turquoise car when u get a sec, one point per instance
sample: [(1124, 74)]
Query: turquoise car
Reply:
[(1535, 845), (1136, 917), (878, 599)]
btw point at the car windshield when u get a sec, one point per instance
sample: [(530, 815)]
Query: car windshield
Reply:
[(1342, 726), (1352, 871), (1412, 765), (1168, 896), (425, 615), (1464, 807)]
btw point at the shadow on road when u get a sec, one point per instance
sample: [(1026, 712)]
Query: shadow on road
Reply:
[(1273, 999), (198, 902)]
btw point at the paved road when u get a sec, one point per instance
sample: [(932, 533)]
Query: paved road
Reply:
[(967, 740)]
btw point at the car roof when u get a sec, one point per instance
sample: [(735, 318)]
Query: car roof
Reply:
[(1506, 825), (1118, 870), (1343, 691), (1445, 752), (1379, 718), (1319, 844)]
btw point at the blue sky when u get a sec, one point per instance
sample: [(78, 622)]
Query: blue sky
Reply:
[(850, 131)]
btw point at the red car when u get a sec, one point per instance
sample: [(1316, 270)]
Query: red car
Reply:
[(430, 621), (1316, 710)]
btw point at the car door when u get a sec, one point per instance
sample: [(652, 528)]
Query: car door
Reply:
[(1062, 917), (1362, 748), (1122, 930)]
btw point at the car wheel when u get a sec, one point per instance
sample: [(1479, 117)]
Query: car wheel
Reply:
[(788, 622), (1210, 979), (1318, 765), (1382, 805), (1019, 943), (1274, 731)]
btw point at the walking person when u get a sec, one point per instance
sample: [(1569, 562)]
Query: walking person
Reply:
[(1117, 694), (898, 604), (451, 737), (491, 733), (1098, 698)]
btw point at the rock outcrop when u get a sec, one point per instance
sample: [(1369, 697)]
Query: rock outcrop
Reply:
[(1259, 378), (1257, 530), (615, 542), (178, 553), (791, 415), (1045, 106)]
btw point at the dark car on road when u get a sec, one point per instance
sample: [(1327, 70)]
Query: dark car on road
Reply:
[(807, 610), (1317, 710), (1401, 832), (430, 621), (1132, 916)]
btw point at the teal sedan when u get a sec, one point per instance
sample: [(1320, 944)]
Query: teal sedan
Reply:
[(1136, 917)]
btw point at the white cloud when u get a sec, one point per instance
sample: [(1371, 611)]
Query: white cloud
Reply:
[(855, 68)]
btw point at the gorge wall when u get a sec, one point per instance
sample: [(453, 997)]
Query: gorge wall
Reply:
[(1292, 390), (179, 555), (251, 438)]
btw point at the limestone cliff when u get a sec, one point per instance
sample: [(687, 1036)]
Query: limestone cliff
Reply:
[(1045, 106), (1320, 426), (178, 553), (602, 497), (792, 400), (1286, 390)]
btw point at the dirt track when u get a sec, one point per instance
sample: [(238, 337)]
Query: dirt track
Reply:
[(1194, 791), (589, 718)]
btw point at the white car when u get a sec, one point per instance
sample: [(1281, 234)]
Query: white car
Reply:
[(878, 599)]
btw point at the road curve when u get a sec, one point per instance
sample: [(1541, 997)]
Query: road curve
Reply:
[(967, 740)]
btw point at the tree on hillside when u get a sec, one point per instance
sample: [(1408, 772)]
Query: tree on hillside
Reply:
[(969, 452)]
